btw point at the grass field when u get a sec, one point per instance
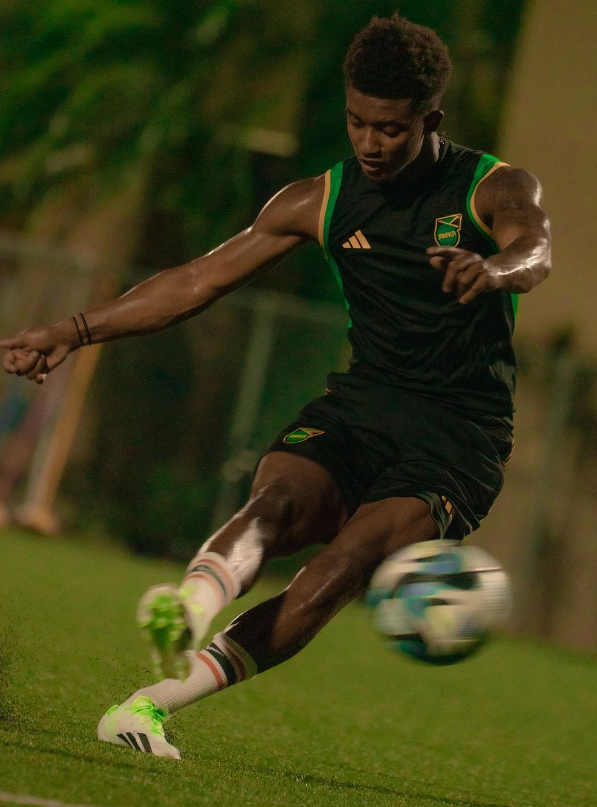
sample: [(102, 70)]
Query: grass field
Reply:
[(346, 723)]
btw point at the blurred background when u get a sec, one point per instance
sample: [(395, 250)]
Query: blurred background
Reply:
[(136, 135)]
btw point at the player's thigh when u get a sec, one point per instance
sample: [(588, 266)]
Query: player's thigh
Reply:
[(313, 507), (342, 570), (377, 530)]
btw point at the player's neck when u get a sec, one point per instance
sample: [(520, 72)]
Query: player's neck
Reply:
[(422, 166)]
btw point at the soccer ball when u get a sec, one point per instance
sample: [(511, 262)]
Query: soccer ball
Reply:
[(439, 601)]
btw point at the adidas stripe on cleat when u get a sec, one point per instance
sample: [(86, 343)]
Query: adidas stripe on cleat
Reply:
[(138, 725)]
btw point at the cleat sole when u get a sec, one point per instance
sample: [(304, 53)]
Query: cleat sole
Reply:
[(161, 617)]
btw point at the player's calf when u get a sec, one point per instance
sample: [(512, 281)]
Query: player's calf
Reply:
[(277, 629), (257, 532)]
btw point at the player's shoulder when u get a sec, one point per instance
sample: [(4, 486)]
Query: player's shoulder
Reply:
[(492, 169), (302, 191), (510, 183), (295, 208), (315, 188), (513, 177)]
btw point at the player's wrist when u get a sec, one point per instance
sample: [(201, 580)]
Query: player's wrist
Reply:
[(67, 333), (497, 273)]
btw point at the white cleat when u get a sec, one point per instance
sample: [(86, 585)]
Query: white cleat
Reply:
[(173, 624), (137, 725)]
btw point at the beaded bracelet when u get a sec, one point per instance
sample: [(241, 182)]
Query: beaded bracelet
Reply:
[(82, 341), (78, 332), (86, 328)]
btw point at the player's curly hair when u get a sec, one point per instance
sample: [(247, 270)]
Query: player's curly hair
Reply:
[(395, 58)]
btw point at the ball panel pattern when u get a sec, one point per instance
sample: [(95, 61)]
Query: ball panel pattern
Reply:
[(439, 601)]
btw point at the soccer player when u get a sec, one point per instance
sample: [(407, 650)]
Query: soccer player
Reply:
[(430, 242)]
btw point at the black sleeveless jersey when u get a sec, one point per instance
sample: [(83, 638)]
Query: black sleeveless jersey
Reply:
[(404, 330)]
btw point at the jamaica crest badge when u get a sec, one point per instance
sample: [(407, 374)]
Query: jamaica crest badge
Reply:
[(447, 230)]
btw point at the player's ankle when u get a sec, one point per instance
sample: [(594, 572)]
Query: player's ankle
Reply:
[(150, 695), (220, 665)]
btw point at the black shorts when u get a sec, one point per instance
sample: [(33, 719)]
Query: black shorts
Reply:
[(380, 441)]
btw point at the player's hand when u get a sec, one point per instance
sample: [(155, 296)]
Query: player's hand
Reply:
[(466, 273), (36, 351)]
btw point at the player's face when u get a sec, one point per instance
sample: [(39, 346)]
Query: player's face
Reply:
[(386, 134)]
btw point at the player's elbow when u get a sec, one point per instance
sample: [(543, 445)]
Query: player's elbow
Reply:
[(544, 264), (540, 264), (534, 275)]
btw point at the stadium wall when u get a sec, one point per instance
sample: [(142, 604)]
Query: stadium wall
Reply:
[(550, 127)]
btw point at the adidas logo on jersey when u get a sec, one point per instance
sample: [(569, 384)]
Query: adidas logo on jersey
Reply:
[(357, 241)]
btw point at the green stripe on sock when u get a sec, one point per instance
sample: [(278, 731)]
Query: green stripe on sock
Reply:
[(223, 661), (205, 569)]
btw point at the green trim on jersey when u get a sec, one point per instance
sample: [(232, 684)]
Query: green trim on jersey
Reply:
[(484, 166), (486, 163), (335, 183)]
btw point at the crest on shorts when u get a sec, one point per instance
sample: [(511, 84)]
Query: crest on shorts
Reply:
[(300, 435), (447, 230)]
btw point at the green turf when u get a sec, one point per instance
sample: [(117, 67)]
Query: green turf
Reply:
[(345, 723)]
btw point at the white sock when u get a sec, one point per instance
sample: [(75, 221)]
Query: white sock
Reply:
[(210, 583), (223, 663)]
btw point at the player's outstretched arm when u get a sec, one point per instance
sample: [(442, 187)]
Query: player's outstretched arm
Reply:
[(288, 219), (510, 204)]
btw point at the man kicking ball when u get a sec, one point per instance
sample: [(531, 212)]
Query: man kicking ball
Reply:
[(430, 242)]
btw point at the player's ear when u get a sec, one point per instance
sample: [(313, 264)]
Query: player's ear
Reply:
[(432, 121)]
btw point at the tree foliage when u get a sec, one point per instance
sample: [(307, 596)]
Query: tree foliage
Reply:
[(90, 88)]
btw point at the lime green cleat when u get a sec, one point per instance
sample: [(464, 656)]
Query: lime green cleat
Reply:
[(138, 725), (162, 619), (173, 625)]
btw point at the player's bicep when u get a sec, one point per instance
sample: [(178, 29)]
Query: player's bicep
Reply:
[(289, 219), (244, 257), (513, 204), (528, 221)]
